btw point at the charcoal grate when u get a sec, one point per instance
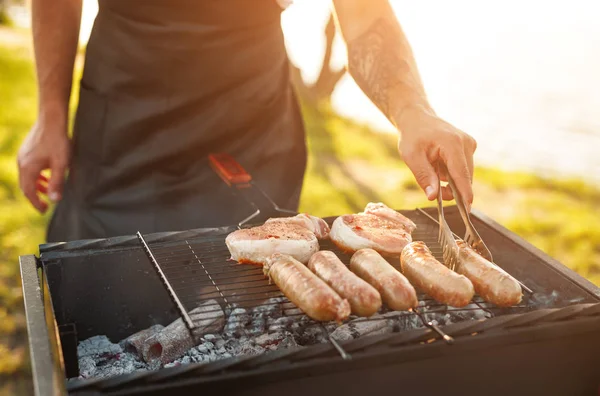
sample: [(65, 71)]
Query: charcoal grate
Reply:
[(195, 271)]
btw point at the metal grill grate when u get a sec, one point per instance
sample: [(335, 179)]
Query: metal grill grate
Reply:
[(196, 271)]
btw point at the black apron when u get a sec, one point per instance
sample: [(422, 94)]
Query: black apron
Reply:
[(166, 83)]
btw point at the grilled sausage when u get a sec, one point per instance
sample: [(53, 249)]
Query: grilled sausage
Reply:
[(395, 289), (490, 282), (363, 298), (434, 278), (306, 290)]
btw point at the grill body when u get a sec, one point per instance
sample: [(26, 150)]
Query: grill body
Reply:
[(523, 350)]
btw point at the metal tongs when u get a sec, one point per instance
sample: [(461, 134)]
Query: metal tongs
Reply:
[(450, 250)]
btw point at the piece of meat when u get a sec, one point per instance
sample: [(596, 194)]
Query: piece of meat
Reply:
[(364, 299), (387, 213), (315, 224), (305, 289), (396, 291), (360, 231), (254, 245), (439, 282), (491, 283)]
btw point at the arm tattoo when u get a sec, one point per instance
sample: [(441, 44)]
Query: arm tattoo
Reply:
[(376, 63)]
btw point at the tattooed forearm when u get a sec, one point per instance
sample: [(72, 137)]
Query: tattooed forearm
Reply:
[(382, 66)]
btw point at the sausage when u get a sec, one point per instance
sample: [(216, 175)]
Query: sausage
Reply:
[(490, 282), (364, 299), (396, 291), (306, 290), (434, 278)]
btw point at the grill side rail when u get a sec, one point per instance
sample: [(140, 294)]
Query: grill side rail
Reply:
[(48, 375)]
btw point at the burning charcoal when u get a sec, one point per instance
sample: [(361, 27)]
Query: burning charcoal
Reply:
[(248, 349), (221, 350), (257, 326), (97, 345), (208, 345), (87, 366), (210, 337), (199, 350), (409, 322), (342, 333), (362, 327), (470, 312), (220, 343), (175, 340), (271, 308), (135, 342), (289, 309), (288, 341), (269, 339), (185, 360), (279, 324), (315, 334), (108, 365), (236, 323)]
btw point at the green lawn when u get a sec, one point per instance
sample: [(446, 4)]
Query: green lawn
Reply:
[(349, 165)]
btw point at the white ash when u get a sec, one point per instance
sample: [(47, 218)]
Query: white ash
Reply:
[(254, 331), (99, 357), (97, 345)]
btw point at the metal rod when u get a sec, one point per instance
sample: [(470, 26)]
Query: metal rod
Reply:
[(207, 274), (527, 289), (345, 355), (449, 340), (180, 307), (484, 308)]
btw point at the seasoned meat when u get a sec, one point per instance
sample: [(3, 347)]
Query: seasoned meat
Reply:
[(439, 282), (305, 289), (255, 245), (315, 224), (360, 231), (395, 289), (491, 283), (364, 299), (383, 211)]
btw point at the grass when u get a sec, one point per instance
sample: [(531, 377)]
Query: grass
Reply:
[(349, 165)]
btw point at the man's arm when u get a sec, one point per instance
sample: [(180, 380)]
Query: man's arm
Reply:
[(55, 26), (381, 62)]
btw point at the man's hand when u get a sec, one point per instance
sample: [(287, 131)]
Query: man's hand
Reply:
[(55, 28), (381, 62), (45, 147), (427, 140)]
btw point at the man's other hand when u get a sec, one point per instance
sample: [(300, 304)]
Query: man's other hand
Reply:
[(425, 140), (46, 147)]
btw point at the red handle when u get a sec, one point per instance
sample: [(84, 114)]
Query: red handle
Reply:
[(229, 169)]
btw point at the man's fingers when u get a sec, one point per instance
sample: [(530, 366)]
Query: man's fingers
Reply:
[(424, 173), (28, 180), (41, 187), (447, 193), (470, 166), (57, 179)]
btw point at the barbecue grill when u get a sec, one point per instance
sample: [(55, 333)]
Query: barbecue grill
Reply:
[(548, 343)]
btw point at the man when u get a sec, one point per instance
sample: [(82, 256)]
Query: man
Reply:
[(165, 83)]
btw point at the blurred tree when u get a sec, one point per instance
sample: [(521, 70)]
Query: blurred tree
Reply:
[(322, 88), (4, 18)]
